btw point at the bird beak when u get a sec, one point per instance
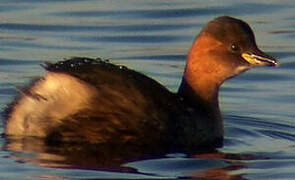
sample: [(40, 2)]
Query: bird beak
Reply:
[(259, 58)]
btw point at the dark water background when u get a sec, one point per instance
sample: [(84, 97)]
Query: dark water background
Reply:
[(153, 37)]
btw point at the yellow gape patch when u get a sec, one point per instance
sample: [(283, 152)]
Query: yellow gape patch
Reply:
[(250, 58)]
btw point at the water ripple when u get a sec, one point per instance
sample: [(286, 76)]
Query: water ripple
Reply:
[(174, 57), (10, 8), (290, 65), (16, 62), (257, 76), (152, 13), (28, 45), (133, 39), (244, 8), (278, 134), (95, 28), (258, 123), (284, 54)]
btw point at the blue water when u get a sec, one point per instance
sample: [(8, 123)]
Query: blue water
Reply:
[(153, 37)]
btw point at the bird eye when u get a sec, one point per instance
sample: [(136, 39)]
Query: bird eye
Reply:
[(234, 47)]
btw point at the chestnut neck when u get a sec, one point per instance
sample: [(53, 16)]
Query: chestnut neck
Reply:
[(202, 76), (202, 96), (201, 81)]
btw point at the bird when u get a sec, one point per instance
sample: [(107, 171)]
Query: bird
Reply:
[(93, 101)]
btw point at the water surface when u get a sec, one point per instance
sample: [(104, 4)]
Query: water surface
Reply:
[(153, 37)]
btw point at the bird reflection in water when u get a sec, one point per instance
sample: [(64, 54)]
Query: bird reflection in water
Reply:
[(115, 159)]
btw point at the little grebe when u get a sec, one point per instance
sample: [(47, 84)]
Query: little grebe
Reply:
[(93, 101)]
